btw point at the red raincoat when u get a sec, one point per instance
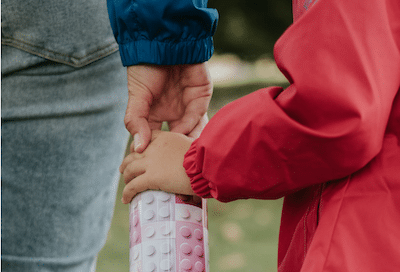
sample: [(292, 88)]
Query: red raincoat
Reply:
[(329, 143)]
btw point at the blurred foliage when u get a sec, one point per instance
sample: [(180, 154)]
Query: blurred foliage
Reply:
[(250, 29)]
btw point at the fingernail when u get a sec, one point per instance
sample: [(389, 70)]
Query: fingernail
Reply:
[(136, 141)]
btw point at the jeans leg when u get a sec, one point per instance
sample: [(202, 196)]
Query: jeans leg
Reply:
[(63, 139)]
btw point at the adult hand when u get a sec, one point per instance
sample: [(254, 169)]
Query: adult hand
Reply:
[(177, 94)]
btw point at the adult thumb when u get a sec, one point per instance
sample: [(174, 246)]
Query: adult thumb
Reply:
[(136, 122), (142, 138)]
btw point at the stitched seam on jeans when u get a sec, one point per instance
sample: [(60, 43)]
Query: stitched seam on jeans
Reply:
[(64, 58)]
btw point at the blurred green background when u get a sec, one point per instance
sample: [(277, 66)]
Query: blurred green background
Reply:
[(243, 235), (249, 29)]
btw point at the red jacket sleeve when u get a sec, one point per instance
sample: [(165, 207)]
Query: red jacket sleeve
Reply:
[(342, 60)]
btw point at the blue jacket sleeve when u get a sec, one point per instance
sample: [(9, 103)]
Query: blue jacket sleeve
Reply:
[(163, 32)]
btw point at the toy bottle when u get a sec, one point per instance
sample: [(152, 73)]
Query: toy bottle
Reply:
[(167, 234)]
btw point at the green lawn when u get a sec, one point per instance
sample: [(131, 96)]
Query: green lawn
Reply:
[(243, 235)]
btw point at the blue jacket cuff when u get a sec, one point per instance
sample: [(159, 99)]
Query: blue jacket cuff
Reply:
[(156, 52)]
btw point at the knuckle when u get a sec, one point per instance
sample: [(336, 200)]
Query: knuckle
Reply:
[(129, 123), (127, 175)]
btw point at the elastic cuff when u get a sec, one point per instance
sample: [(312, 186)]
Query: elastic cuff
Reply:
[(162, 53), (199, 184)]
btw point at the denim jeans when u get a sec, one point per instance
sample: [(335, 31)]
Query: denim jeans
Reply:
[(63, 139), (73, 32)]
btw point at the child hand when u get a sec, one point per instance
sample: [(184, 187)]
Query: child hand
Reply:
[(159, 167)]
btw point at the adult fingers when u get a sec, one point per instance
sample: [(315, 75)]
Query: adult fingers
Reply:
[(195, 133), (145, 82), (194, 112), (184, 125), (191, 124), (138, 145), (133, 146), (136, 121)]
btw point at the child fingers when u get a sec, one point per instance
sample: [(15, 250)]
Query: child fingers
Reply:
[(134, 187), (133, 170), (137, 144), (128, 160)]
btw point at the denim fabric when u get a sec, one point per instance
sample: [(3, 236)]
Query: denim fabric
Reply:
[(73, 32), (63, 139)]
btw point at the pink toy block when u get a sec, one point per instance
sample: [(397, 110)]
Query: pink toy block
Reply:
[(167, 234)]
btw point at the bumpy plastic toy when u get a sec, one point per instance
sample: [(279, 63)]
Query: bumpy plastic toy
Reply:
[(168, 234)]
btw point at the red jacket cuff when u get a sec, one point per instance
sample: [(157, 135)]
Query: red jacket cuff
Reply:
[(199, 184)]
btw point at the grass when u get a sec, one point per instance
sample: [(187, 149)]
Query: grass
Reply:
[(243, 235)]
